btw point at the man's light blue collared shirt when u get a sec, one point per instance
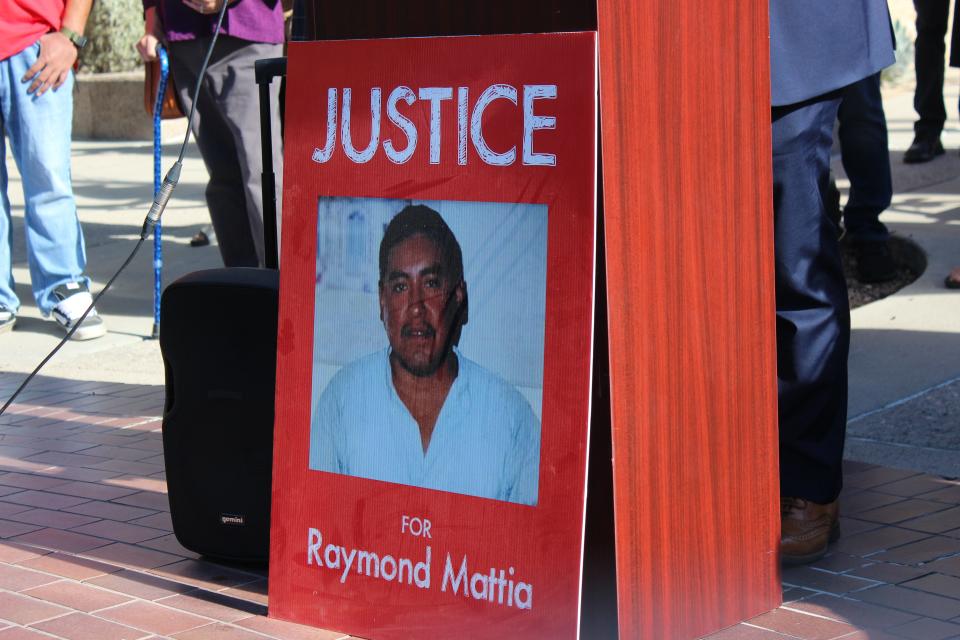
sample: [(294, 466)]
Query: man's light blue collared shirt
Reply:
[(486, 441)]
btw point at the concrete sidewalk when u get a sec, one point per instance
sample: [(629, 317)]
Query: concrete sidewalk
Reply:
[(113, 183), (904, 401)]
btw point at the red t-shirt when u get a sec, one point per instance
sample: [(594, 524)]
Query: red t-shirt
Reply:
[(22, 22)]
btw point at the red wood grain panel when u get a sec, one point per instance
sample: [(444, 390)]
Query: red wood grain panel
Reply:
[(688, 203)]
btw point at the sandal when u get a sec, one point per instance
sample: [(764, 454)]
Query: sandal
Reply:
[(952, 281), (203, 237)]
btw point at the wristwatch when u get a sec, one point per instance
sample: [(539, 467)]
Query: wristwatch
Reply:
[(78, 40)]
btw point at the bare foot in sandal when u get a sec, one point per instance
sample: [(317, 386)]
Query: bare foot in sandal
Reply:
[(953, 280), (203, 237)]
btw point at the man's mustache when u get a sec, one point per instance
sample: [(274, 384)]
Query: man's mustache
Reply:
[(425, 331)]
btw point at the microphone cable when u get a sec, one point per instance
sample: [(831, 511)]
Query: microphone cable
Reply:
[(153, 216)]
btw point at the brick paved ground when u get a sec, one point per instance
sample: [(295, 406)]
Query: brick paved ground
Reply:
[(86, 544), (86, 549), (895, 573)]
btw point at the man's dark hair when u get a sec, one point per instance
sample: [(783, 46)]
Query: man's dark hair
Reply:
[(416, 220)]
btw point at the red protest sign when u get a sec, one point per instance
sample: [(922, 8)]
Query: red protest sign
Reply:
[(434, 349)]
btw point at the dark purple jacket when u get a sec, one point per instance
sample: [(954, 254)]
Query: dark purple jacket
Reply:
[(253, 20)]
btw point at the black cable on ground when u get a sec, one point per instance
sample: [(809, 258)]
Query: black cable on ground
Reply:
[(73, 329)]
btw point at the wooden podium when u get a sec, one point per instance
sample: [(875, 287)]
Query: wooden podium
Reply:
[(685, 305)]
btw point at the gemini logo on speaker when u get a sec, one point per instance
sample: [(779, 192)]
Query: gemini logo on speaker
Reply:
[(226, 518)]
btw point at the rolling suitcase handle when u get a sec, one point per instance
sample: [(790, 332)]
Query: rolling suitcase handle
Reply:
[(266, 70)]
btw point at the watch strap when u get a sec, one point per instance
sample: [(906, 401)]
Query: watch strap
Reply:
[(78, 40)]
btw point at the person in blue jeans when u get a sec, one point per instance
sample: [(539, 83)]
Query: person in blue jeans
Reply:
[(39, 44), (866, 159)]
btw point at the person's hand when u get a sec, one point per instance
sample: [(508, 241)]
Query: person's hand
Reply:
[(205, 7), (50, 71), (147, 47), (152, 36)]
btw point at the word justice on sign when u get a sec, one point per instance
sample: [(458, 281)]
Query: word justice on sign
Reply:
[(469, 124)]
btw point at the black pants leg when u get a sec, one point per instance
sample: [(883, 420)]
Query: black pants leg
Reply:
[(227, 129), (866, 159), (928, 59)]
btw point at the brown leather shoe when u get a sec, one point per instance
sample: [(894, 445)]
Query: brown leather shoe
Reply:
[(806, 529)]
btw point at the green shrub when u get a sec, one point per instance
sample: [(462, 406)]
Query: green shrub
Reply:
[(113, 28), (903, 66)]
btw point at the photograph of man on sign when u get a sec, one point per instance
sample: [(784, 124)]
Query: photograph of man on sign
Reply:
[(418, 411)]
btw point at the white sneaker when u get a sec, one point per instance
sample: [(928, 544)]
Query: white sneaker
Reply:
[(7, 320), (74, 299)]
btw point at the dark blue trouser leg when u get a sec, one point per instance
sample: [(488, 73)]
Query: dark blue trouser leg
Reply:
[(866, 159), (813, 317), (929, 51)]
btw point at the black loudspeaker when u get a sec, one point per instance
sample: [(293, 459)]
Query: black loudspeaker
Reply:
[(218, 337)]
